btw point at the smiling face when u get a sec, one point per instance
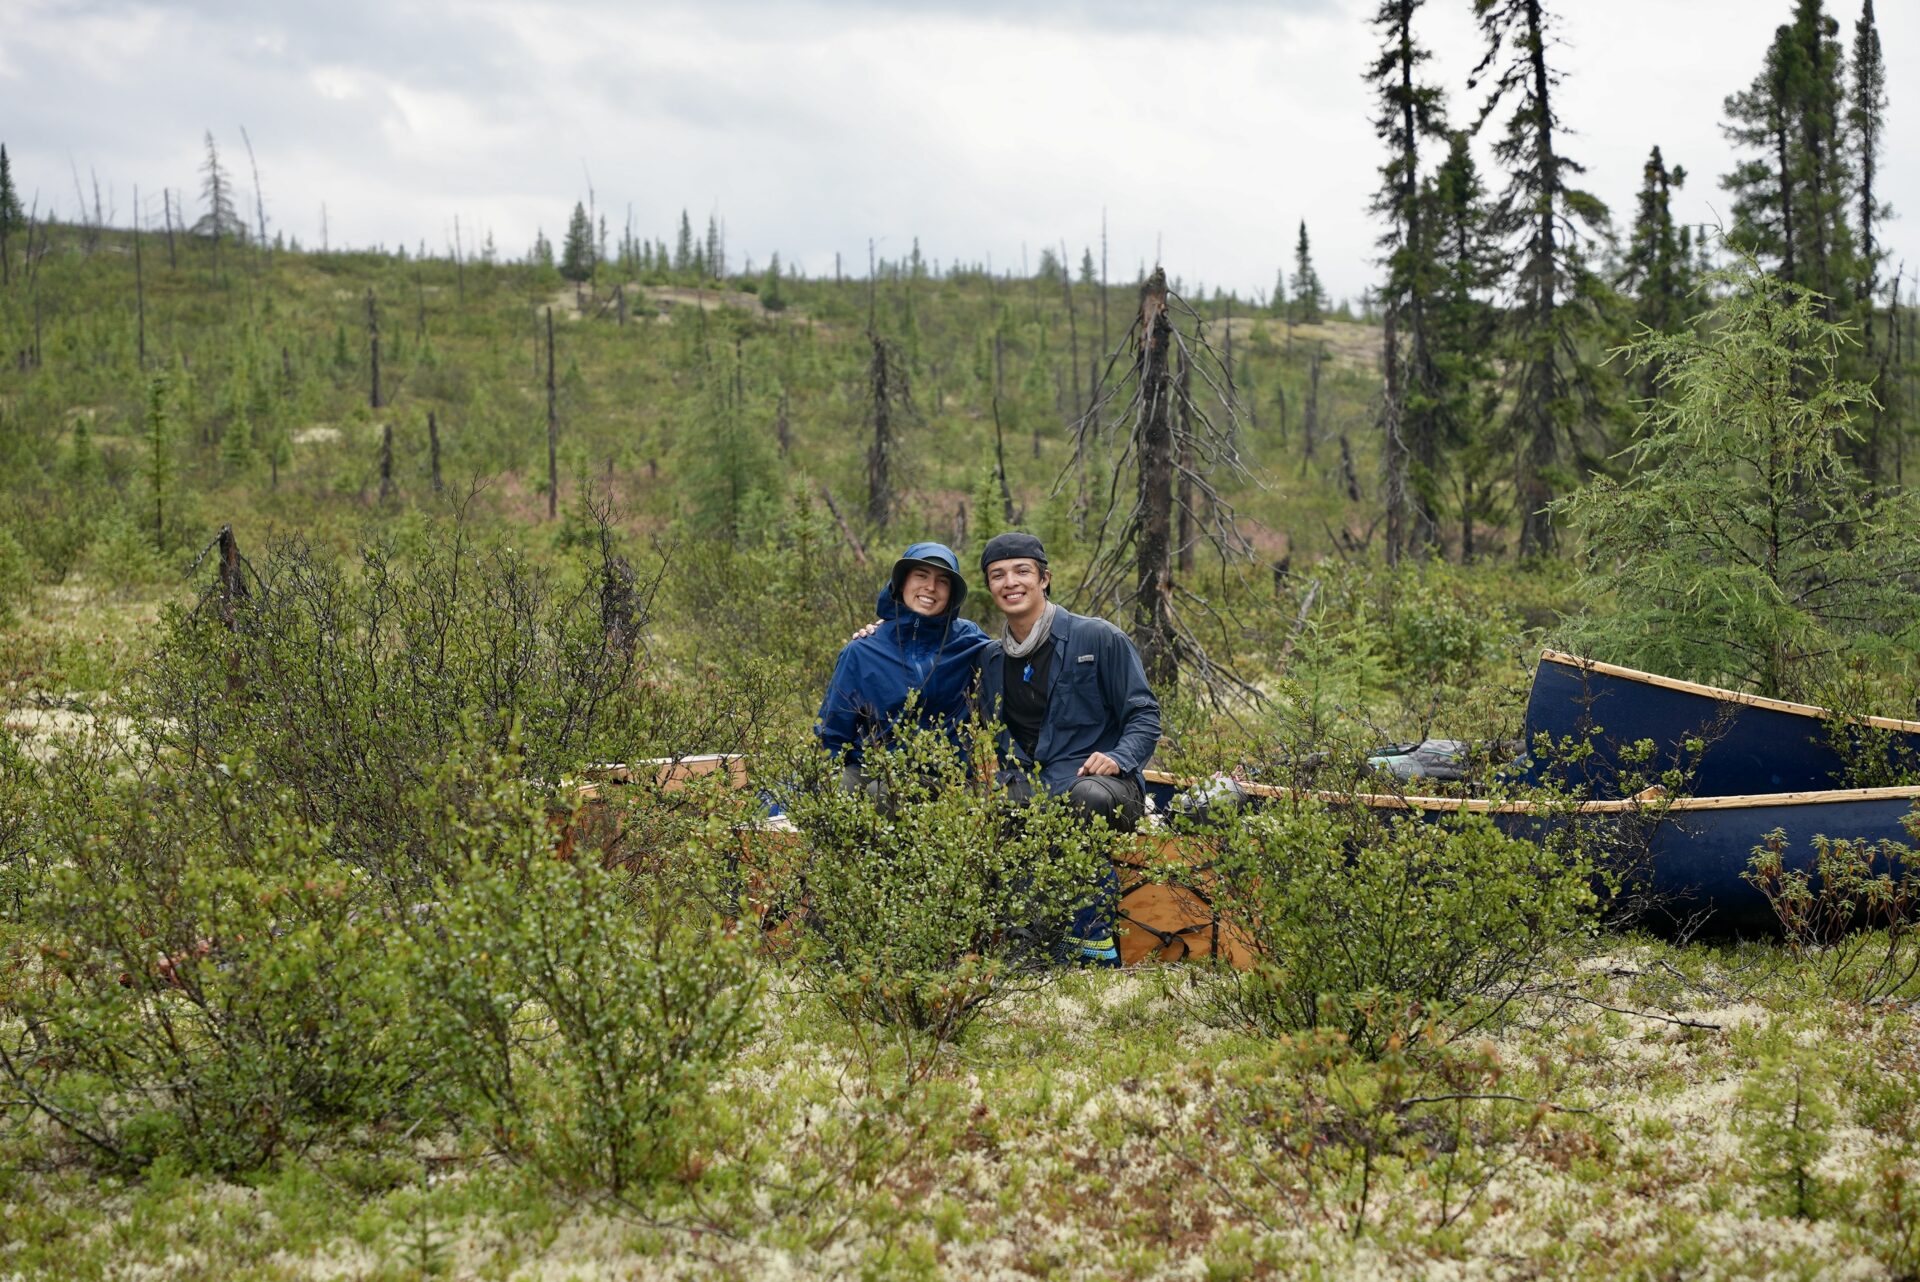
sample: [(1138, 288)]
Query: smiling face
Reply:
[(926, 591), (1019, 588)]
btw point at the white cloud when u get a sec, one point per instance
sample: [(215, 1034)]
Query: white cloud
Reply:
[(1208, 129)]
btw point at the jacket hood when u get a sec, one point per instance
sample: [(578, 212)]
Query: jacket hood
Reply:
[(933, 556)]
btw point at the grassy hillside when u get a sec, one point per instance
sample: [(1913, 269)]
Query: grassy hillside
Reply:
[(270, 362)]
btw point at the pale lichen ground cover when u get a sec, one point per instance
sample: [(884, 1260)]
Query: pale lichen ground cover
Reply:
[(1099, 1129)]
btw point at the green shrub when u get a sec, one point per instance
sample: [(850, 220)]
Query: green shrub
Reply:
[(1345, 1135), (208, 984), (581, 1016), (16, 576), (925, 907), (1786, 1114), (21, 860), (1856, 911), (348, 684), (1378, 922)]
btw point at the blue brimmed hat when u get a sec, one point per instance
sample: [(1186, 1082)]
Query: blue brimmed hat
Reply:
[(931, 556)]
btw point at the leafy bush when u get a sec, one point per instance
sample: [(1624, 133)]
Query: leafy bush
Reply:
[(1856, 910), (1377, 922), (208, 984), (581, 1016), (347, 685), (1337, 1133), (20, 859), (16, 576), (923, 908)]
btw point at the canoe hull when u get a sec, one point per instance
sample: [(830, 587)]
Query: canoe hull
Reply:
[(1749, 746)]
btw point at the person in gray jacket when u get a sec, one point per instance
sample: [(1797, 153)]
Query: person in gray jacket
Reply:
[(1075, 709)]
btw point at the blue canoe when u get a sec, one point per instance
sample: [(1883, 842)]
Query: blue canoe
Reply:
[(1751, 745), (1687, 855)]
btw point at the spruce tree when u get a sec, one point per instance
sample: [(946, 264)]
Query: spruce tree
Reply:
[(576, 253), (1559, 393), (1658, 268), (1791, 193), (12, 217), (1410, 114), (1866, 114), (1828, 171), (1463, 322), (1278, 306), (1307, 294), (683, 248), (216, 188)]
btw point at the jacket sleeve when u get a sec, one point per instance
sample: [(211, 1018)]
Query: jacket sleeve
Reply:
[(839, 723), (1124, 687)]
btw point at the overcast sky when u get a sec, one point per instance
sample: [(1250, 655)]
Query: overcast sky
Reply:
[(1207, 129)]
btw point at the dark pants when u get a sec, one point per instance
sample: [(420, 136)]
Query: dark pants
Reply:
[(854, 779), (1115, 798)]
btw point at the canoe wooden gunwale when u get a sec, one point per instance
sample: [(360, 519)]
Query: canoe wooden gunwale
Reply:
[(1479, 805), (1723, 695)]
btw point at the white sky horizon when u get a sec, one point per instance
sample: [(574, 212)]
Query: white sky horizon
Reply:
[(810, 126)]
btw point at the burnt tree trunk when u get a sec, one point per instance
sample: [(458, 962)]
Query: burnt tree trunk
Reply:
[(880, 452), (1393, 443), (1153, 602), (386, 462), (166, 207), (433, 451), (1000, 465), (783, 425), (139, 282), (373, 348), (1183, 554), (1310, 414), (233, 583), (553, 430)]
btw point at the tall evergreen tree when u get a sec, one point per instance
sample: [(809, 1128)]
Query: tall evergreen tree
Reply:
[(12, 217), (221, 219), (1559, 393), (1658, 270), (576, 252), (683, 247), (1791, 195), (1308, 296), (1410, 114), (1462, 323), (1866, 113)]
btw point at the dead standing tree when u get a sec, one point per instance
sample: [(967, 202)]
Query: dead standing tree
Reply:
[(1172, 445), (889, 396), (553, 429)]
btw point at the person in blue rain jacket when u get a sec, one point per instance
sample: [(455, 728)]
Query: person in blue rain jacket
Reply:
[(921, 647)]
